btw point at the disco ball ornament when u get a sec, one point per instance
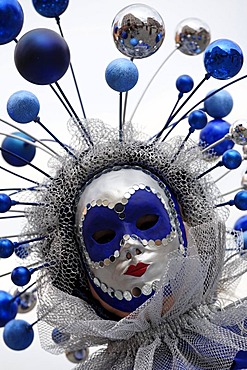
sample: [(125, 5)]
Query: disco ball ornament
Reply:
[(239, 132), (23, 106), (138, 31), (192, 36), (11, 20), (78, 356), (223, 59), (42, 56), (50, 8)]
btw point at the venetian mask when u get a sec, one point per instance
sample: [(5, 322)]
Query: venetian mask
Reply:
[(128, 223)]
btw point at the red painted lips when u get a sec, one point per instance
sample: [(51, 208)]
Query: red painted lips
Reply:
[(137, 270)]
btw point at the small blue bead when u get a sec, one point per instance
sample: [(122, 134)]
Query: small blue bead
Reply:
[(20, 276), (231, 159), (134, 41), (8, 308), (223, 59), (18, 335), (6, 248), (121, 75), (241, 223), (240, 200), (184, 83), (219, 105), (23, 106), (5, 203), (197, 119)]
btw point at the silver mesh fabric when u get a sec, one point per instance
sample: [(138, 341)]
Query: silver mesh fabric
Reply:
[(186, 329)]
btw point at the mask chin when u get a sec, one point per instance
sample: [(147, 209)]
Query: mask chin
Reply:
[(128, 225)]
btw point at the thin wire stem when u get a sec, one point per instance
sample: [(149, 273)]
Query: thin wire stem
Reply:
[(17, 175), (151, 80), (32, 137), (120, 117)]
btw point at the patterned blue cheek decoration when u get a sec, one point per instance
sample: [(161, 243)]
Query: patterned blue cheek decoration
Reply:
[(124, 222)]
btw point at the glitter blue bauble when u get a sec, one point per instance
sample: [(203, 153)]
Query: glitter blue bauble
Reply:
[(50, 8), (121, 75), (223, 59), (184, 83), (18, 147), (241, 223), (42, 56), (219, 105), (8, 308), (18, 334), (20, 276), (6, 248), (11, 20), (214, 131), (23, 106)]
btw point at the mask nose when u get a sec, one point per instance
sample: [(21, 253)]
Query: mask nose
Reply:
[(131, 246)]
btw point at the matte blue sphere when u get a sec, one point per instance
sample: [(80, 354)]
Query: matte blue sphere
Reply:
[(11, 20), (23, 106), (22, 251), (20, 276), (197, 119), (24, 150), (214, 131), (219, 105), (6, 248), (240, 200), (8, 308), (5, 203), (241, 223), (121, 75), (42, 56), (232, 159), (184, 83), (18, 334), (50, 8), (223, 59)]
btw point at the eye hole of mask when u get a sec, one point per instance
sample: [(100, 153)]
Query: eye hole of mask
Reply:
[(146, 222), (104, 236)]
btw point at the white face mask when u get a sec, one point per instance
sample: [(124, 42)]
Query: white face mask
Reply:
[(128, 226)]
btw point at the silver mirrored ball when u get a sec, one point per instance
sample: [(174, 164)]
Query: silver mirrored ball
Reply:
[(27, 301), (192, 36), (238, 132), (138, 31), (78, 356)]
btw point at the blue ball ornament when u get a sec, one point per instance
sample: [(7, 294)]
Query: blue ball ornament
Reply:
[(50, 8), (8, 308), (21, 276), (197, 119), (6, 248), (240, 200), (231, 159), (5, 203), (24, 150), (121, 75), (18, 334), (241, 223), (11, 20), (218, 105), (223, 59), (42, 56), (214, 131), (58, 337), (184, 84), (23, 106), (22, 251)]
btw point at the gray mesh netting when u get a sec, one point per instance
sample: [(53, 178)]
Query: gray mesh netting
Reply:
[(187, 328)]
